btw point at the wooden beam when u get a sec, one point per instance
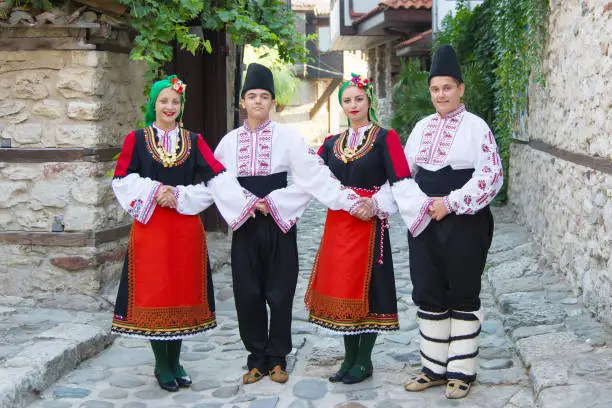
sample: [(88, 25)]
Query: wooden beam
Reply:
[(60, 239), (111, 234), (323, 98), (31, 44), (58, 154), (65, 239), (596, 163)]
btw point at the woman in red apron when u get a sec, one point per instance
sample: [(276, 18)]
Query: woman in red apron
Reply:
[(352, 285), (165, 293)]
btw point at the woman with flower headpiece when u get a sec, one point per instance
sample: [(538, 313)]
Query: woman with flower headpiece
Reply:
[(165, 293), (352, 285)]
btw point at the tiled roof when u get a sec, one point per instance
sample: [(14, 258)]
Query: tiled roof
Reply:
[(396, 5), (414, 39), (406, 4)]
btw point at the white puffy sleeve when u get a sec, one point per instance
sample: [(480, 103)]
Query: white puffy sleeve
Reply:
[(312, 176), (384, 203), (194, 199), (486, 181), (234, 202), (287, 205), (411, 201), (135, 194)]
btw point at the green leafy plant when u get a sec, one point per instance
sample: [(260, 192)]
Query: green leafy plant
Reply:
[(499, 44), (285, 81), (35, 4), (411, 98), (255, 22)]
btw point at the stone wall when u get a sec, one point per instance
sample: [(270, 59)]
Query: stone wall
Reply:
[(63, 100), (561, 181)]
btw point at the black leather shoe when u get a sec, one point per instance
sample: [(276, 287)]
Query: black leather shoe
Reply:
[(184, 381), (170, 386), (354, 379), (339, 376)]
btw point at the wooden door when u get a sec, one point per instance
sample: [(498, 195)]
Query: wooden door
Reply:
[(206, 102)]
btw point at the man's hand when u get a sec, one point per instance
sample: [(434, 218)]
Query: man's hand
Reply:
[(437, 210), (165, 197), (365, 210), (262, 206)]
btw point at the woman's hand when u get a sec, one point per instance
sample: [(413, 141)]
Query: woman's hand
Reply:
[(365, 211), (165, 197)]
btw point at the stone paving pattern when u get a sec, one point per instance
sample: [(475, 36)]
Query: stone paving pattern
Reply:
[(539, 346)]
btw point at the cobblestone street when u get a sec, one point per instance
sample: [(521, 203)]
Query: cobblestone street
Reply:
[(537, 339)]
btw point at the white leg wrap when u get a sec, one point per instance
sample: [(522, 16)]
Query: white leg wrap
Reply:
[(463, 348), (435, 331)]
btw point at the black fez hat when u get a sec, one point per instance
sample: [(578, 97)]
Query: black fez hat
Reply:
[(445, 63), (258, 77)]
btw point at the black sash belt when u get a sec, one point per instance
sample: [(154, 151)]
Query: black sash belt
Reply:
[(261, 186), (440, 183)]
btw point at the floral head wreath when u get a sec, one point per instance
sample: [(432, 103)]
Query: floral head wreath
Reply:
[(364, 83), (172, 82)]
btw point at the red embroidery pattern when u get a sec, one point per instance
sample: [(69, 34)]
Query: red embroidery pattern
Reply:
[(482, 190), (255, 150), (135, 208), (438, 137), (276, 214)]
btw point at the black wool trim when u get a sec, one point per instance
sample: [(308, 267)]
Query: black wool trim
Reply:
[(432, 375), (426, 316), (463, 356), (432, 339), (467, 316), (426, 357), (466, 336), (468, 378)]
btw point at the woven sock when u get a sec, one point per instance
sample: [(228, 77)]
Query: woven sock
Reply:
[(174, 354), (351, 347), (160, 350), (364, 355)]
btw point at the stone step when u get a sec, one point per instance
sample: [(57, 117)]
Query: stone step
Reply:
[(51, 354)]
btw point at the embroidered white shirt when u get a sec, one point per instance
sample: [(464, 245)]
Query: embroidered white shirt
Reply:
[(274, 148), (460, 140)]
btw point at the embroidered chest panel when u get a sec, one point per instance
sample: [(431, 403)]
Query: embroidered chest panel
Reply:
[(346, 154), (173, 159), (254, 152), (438, 138)]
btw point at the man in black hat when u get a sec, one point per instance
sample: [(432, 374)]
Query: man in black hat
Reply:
[(264, 255), (457, 172)]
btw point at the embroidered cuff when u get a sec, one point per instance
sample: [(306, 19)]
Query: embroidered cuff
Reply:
[(149, 205), (448, 205), (246, 211), (415, 228), (278, 218), (376, 210), (178, 194)]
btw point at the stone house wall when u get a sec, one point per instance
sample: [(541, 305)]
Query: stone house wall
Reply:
[(560, 182), (73, 109)]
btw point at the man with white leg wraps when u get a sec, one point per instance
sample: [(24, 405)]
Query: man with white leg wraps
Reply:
[(457, 172)]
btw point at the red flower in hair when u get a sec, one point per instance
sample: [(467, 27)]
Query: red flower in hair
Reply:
[(366, 81), (174, 80), (360, 85)]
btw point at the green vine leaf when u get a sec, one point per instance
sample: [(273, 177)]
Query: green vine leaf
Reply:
[(499, 43)]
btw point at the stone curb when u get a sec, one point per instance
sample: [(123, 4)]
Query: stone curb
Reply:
[(56, 351), (564, 349), (53, 353)]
